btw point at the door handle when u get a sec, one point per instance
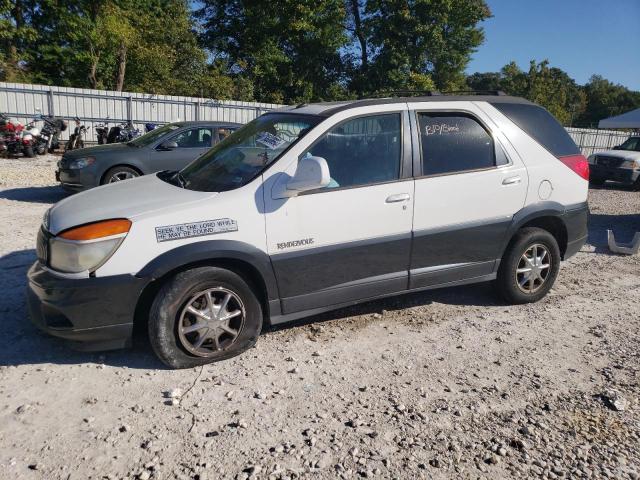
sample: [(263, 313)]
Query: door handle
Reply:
[(511, 180), (398, 197)]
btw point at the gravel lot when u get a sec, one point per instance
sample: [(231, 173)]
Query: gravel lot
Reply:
[(448, 383)]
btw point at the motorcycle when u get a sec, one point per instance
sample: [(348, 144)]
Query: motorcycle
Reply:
[(15, 139), (124, 132), (102, 131), (49, 139), (76, 139)]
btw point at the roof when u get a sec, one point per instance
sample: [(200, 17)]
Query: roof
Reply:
[(206, 122), (626, 120), (327, 109)]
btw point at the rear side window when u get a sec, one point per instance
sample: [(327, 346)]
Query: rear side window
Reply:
[(541, 126), (453, 143)]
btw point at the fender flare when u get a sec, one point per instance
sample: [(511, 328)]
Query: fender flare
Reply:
[(531, 212), (213, 250)]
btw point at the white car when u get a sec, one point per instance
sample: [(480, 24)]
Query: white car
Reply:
[(622, 164), (311, 208)]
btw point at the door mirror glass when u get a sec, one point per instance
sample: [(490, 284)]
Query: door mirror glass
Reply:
[(312, 173), (168, 145)]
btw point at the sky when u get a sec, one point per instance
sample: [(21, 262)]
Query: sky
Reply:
[(581, 37)]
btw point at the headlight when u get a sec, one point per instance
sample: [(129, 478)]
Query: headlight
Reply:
[(79, 163), (87, 247), (629, 164)]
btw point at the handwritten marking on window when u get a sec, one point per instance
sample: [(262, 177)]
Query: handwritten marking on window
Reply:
[(441, 129)]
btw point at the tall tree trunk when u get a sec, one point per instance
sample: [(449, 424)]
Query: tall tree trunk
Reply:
[(362, 39), (18, 16), (122, 65), (92, 72)]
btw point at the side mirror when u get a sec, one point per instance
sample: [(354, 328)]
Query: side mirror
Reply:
[(312, 173), (168, 146)]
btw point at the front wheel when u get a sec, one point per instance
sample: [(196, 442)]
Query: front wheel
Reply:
[(117, 174), (529, 267), (203, 315), (28, 151)]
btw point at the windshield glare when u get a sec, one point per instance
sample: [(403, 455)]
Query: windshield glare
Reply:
[(242, 156), (153, 135)]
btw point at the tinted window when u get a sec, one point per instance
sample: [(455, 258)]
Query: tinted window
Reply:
[(454, 143), (632, 144), (362, 151), (194, 138), (540, 125)]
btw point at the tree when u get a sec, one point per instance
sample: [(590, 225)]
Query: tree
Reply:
[(288, 49), (421, 44), (606, 99)]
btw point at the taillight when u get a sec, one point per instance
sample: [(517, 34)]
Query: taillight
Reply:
[(578, 164)]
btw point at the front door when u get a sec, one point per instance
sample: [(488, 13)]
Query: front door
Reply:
[(190, 144), (350, 240), (470, 185)]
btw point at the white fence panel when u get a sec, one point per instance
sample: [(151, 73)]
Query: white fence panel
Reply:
[(24, 101), (591, 140)]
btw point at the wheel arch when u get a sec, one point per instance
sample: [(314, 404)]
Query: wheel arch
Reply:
[(253, 265), (548, 216)]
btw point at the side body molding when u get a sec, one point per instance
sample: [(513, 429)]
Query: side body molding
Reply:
[(214, 250)]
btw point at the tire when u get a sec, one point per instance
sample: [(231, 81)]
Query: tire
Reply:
[(122, 172), (509, 280), (28, 151), (168, 314)]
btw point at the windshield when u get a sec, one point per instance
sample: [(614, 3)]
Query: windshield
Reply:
[(242, 156), (632, 144), (153, 135)]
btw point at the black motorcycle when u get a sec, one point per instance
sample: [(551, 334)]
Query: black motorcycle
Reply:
[(102, 131), (76, 139), (124, 132), (49, 139)]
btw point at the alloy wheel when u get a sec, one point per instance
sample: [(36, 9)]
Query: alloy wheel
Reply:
[(119, 176), (211, 321), (533, 268)]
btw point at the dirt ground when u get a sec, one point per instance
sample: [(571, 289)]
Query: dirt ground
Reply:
[(442, 384)]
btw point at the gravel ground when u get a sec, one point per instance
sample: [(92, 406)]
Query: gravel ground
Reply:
[(448, 383)]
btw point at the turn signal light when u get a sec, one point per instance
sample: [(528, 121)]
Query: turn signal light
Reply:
[(92, 231)]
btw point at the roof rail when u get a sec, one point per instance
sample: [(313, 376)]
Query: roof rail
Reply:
[(499, 93), (402, 93)]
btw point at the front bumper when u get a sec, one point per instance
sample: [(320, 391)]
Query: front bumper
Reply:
[(622, 175), (76, 180), (91, 313)]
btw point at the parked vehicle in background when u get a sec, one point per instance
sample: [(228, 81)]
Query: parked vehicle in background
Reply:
[(622, 164), (170, 147), (124, 132), (311, 208), (150, 126), (17, 140), (76, 139), (49, 139), (102, 132)]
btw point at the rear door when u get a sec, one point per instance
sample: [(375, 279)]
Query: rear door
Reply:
[(350, 240), (191, 143), (470, 182)]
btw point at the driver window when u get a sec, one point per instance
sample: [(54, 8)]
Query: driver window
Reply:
[(194, 138), (362, 151)]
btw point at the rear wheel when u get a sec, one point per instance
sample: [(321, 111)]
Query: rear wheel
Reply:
[(117, 174), (529, 267), (203, 315), (28, 151)]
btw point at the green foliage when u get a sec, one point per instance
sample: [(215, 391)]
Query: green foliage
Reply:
[(606, 99)]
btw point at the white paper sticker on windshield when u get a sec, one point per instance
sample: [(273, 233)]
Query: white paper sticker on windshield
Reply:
[(270, 140), (196, 229)]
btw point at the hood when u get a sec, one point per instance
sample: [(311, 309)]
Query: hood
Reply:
[(626, 154), (126, 199), (97, 149)]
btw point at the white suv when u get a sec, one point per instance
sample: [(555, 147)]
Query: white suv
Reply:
[(311, 208)]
